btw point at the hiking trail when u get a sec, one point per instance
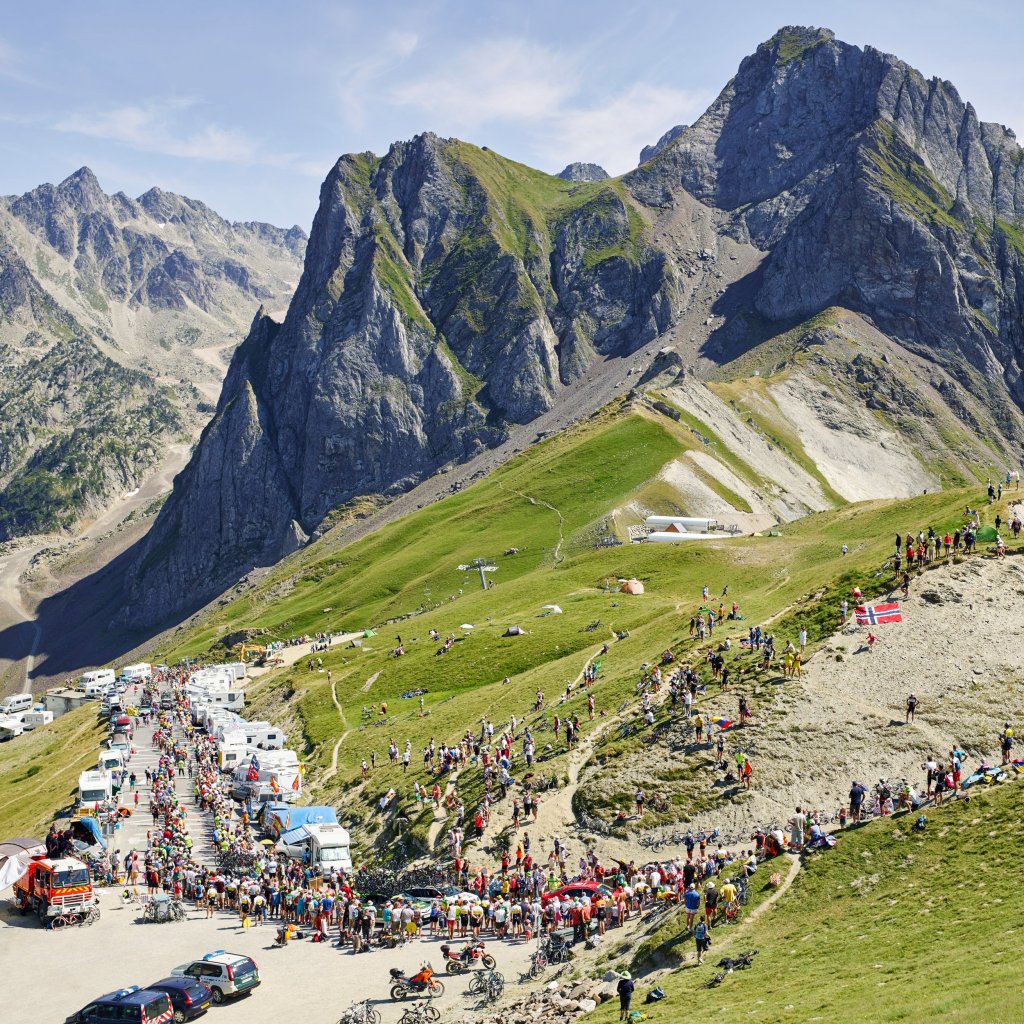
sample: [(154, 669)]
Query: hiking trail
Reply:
[(557, 553)]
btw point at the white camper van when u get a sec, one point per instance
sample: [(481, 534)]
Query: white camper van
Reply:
[(97, 683), (15, 704), (34, 719), (94, 787), (136, 674)]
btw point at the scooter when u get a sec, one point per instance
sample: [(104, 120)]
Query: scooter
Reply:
[(470, 954), (423, 983)]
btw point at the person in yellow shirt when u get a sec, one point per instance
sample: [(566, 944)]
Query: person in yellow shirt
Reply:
[(728, 896)]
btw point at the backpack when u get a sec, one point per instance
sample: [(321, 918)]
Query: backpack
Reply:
[(921, 823), (655, 995)]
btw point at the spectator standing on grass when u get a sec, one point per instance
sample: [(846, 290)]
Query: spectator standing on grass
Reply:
[(625, 989), (911, 708), (797, 825), (702, 937)]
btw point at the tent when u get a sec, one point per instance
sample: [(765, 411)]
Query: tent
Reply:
[(87, 830), (368, 633), (553, 608), (986, 533), (15, 855), (466, 625), (513, 631), (631, 587)]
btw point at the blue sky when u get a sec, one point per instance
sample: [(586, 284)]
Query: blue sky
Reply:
[(247, 105)]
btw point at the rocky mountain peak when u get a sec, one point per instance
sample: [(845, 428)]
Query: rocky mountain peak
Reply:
[(650, 152), (583, 172), (83, 189)]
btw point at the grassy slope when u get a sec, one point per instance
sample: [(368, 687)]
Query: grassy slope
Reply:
[(39, 771), (891, 925), (584, 474)]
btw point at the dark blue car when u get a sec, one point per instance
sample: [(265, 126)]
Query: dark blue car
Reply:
[(189, 998)]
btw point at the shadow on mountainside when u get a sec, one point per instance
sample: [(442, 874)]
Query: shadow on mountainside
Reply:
[(81, 624)]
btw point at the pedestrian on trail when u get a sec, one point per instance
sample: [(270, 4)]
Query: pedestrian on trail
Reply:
[(702, 937)]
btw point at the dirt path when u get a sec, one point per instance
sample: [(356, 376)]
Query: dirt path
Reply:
[(557, 552), (333, 770), (794, 870)]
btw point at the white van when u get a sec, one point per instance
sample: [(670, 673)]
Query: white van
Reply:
[(97, 683), (13, 705), (94, 787), (111, 761)]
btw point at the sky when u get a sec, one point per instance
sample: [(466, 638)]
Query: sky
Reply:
[(246, 105)]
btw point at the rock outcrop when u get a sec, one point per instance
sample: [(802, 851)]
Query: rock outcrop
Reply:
[(583, 172), (650, 152)]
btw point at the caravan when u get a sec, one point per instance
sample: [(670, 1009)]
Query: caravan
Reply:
[(278, 777), (136, 674)]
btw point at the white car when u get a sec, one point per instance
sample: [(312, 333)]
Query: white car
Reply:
[(227, 974)]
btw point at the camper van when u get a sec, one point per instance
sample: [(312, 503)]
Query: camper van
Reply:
[(97, 683), (278, 768), (325, 845), (265, 736), (111, 761), (34, 719), (94, 787), (13, 705), (132, 674)]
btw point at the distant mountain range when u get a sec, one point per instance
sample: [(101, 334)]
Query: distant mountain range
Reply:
[(112, 314), (450, 296)]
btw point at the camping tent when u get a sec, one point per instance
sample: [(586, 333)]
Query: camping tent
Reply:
[(513, 631), (368, 633), (631, 587), (986, 533), (553, 609)]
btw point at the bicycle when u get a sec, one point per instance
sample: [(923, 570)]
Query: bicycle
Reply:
[(715, 980), (740, 962), (63, 920), (91, 916), (360, 1013), (538, 962), (487, 983), (418, 1013)]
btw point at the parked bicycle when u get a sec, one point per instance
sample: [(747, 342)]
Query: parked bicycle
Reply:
[(360, 1013)]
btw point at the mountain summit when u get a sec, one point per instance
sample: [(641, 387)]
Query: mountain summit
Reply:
[(450, 294)]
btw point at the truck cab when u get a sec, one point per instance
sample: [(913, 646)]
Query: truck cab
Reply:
[(94, 787), (51, 887)]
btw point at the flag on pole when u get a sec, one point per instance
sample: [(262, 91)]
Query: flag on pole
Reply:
[(877, 614), (253, 774), (274, 787), (297, 784)]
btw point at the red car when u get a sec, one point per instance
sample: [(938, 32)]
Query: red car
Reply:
[(574, 890)]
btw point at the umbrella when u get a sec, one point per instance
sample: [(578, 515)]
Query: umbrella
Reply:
[(266, 842), (466, 625)]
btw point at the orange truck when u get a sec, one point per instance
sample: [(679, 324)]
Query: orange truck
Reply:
[(55, 887)]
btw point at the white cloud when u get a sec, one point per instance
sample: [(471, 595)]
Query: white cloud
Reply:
[(157, 127), (540, 91), (154, 128), (612, 134), (12, 64), (498, 80), (359, 86)]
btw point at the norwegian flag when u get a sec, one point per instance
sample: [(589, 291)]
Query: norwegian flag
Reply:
[(877, 614), (253, 774)]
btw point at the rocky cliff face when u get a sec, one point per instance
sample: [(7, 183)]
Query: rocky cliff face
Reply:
[(449, 293), (871, 187), (650, 152), (100, 296), (583, 172)]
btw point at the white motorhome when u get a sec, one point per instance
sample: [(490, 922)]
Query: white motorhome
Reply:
[(34, 719), (265, 736), (17, 703), (111, 761), (94, 787), (96, 684), (278, 768), (136, 673), (325, 845)]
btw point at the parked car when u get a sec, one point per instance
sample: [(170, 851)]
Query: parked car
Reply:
[(574, 890), (189, 998), (141, 1005), (227, 974)]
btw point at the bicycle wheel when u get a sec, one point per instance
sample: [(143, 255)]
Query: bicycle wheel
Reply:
[(373, 1016), (476, 985), (431, 1012), (59, 922)]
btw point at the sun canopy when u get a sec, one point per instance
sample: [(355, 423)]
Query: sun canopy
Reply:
[(15, 855)]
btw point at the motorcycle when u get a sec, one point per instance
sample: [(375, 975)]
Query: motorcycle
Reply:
[(464, 960), (423, 983)]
